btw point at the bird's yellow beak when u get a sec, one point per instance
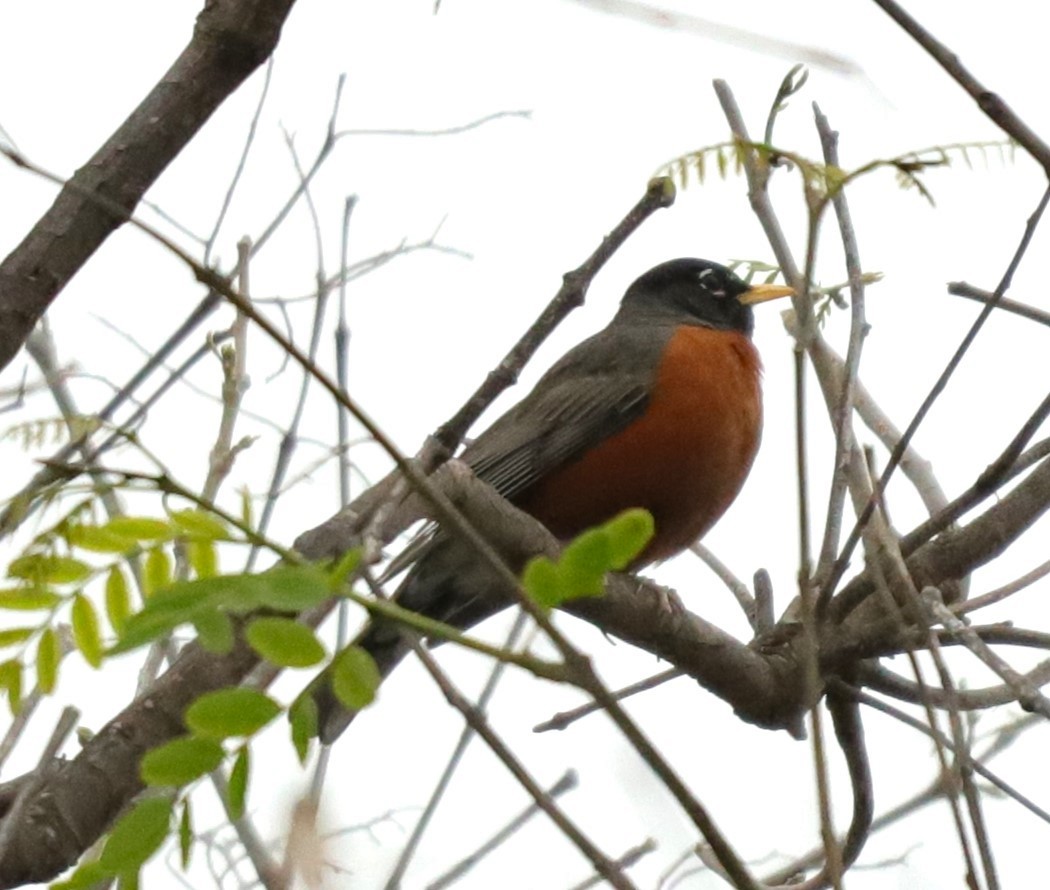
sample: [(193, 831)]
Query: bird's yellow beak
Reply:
[(759, 293)]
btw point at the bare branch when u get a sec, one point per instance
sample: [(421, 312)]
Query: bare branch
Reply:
[(232, 38), (990, 103)]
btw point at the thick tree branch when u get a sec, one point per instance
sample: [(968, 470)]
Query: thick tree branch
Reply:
[(231, 39), (762, 681)]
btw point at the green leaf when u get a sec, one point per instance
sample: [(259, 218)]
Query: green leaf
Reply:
[(237, 711), (284, 642), (139, 528), (584, 563), (137, 835), (161, 615), (629, 533), (87, 875), (185, 834), (180, 761), (288, 588), (203, 557), (49, 568), (214, 630), (200, 524), (291, 588), (542, 582), (246, 508), (157, 573), (118, 600), (238, 787), (28, 599), (302, 715), (48, 655), (13, 635), (129, 880), (11, 681), (355, 677), (344, 568), (86, 633), (99, 539)]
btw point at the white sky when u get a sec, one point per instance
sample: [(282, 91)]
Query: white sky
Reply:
[(529, 199)]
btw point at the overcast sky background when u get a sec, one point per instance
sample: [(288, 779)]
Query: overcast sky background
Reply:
[(528, 199)]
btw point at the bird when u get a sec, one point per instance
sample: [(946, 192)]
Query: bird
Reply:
[(662, 409)]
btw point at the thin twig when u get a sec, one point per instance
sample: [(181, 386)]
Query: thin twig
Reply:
[(628, 859), (938, 387), (990, 103), (1028, 695), (566, 783), (659, 194), (233, 360), (412, 844), (737, 587), (242, 162), (1001, 593), (1033, 313), (290, 438), (843, 411), (564, 719)]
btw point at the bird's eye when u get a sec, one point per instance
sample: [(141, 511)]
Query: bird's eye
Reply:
[(708, 278)]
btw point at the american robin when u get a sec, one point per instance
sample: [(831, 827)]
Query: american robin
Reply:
[(662, 409)]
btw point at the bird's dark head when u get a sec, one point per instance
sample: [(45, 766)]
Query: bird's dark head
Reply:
[(700, 292)]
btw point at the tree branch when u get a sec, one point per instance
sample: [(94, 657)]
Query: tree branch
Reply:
[(231, 39)]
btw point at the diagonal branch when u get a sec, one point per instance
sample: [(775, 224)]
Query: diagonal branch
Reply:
[(990, 103), (231, 39)]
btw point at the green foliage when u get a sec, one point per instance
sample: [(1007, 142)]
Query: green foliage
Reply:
[(247, 517), (98, 539), (285, 588), (302, 715), (792, 83), (214, 630), (344, 568), (157, 572), (118, 599), (11, 683), (200, 525), (140, 528), (53, 577), (185, 834), (86, 632), (821, 182), (28, 599), (203, 558), (284, 642), (12, 636), (51, 430), (237, 711), (355, 677), (48, 568), (48, 656), (238, 787), (180, 761), (136, 836), (586, 560)]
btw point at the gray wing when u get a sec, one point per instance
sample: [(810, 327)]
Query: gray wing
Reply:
[(591, 394)]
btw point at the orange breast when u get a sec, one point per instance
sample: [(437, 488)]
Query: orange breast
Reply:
[(684, 460)]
